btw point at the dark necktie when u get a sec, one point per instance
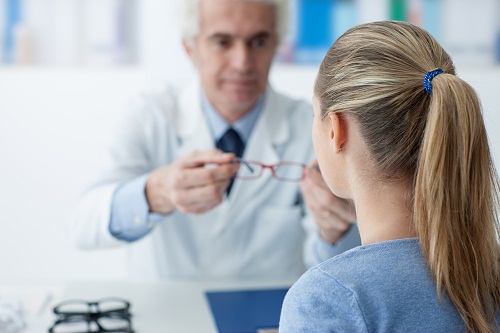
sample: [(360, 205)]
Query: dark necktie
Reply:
[(231, 142)]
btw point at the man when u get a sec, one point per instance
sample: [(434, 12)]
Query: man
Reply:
[(171, 194)]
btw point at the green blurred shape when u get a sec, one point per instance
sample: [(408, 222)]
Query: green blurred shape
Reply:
[(398, 10)]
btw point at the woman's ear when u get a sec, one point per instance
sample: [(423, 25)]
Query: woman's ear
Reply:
[(338, 131)]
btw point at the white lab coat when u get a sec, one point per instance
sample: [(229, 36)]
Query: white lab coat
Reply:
[(258, 231)]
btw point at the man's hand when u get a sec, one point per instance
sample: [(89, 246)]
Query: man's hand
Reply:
[(189, 185), (333, 215)]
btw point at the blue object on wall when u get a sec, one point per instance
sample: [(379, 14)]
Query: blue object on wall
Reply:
[(13, 17), (315, 30), (344, 17), (432, 18)]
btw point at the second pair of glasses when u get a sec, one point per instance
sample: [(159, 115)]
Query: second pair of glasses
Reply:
[(104, 316)]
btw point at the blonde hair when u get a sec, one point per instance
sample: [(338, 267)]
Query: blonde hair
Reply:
[(190, 17), (375, 72)]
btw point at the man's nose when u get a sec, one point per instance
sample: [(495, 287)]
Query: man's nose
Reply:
[(241, 57)]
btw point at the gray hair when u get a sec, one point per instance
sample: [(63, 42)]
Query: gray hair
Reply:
[(190, 22)]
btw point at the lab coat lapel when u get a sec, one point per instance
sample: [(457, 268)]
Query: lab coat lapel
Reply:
[(193, 132)]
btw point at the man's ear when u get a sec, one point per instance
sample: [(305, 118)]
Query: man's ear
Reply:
[(189, 49), (338, 131)]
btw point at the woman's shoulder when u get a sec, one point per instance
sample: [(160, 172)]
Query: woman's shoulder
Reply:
[(319, 303), (386, 265), (377, 287)]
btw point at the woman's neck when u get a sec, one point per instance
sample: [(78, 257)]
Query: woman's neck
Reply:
[(383, 213)]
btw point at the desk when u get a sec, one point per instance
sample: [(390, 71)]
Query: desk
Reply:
[(159, 307)]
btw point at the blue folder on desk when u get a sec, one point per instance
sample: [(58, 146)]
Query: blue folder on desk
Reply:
[(246, 311)]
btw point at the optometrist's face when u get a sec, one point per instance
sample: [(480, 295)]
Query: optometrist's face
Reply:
[(233, 53)]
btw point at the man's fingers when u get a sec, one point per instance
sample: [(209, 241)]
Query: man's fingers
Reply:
[(314, 175), (203, 176), (326, 205), (201, 158), (334, 221), (198, 200)]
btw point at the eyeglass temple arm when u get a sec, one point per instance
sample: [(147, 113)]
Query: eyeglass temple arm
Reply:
[(245, 163)]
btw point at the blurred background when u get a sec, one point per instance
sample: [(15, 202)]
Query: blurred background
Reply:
[(69, 67)]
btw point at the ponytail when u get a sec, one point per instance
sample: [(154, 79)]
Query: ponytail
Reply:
[(456, 203)]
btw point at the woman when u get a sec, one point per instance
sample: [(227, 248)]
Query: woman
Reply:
[(403, 137)]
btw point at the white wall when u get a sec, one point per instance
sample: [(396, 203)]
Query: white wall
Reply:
[(52, 126), (52, 123)]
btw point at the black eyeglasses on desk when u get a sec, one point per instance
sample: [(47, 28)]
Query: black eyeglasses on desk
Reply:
[(106, 315)]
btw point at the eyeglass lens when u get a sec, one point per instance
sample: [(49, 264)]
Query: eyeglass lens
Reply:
[(106, 305), (102, 324), (289, 171)]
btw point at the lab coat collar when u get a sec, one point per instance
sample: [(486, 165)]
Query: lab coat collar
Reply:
[(272, 128)]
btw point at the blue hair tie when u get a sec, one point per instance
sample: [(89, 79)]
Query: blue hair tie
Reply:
[(428, 78)]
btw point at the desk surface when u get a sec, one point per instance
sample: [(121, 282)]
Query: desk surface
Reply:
[(167, 306)]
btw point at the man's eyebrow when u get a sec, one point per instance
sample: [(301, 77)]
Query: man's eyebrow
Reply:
[(260, 34), (219, 35)]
